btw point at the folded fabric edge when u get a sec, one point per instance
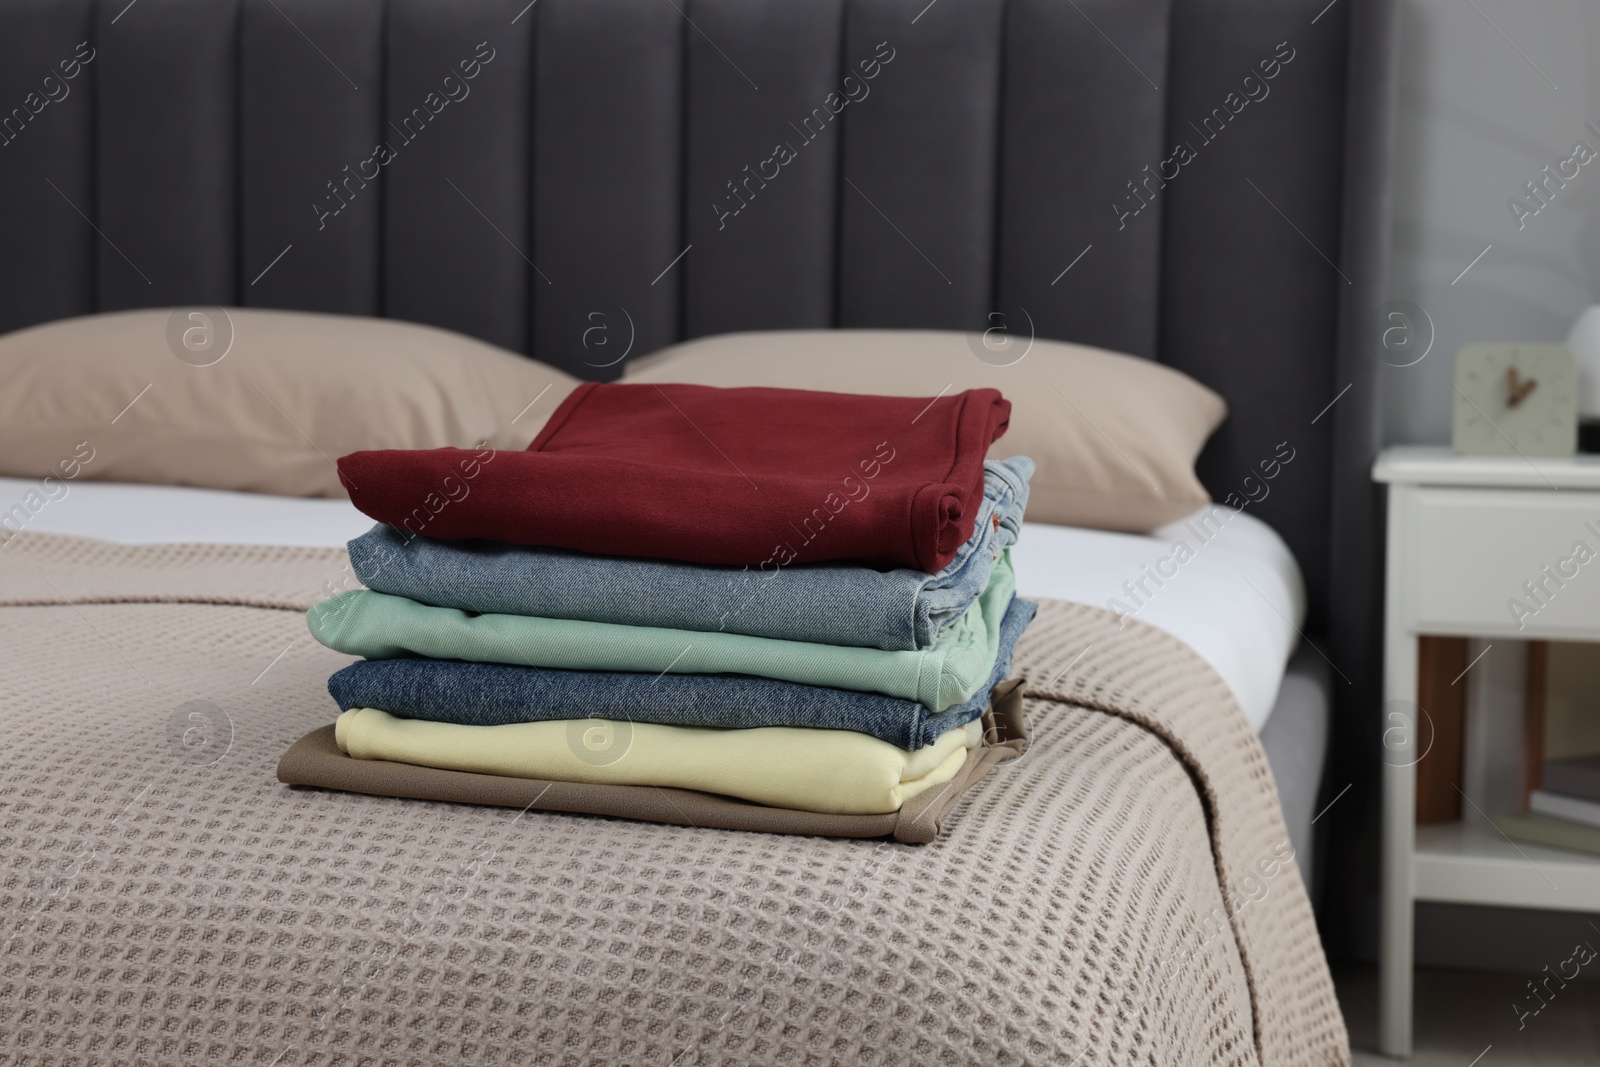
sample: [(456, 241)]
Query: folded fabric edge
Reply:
[(390, 624), (315, 760)]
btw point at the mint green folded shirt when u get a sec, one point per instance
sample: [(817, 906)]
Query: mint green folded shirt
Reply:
[(380, 626)]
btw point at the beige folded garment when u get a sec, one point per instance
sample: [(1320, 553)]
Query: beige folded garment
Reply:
[(315, 760)]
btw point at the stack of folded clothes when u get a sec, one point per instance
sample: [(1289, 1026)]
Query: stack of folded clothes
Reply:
[(773, 609)]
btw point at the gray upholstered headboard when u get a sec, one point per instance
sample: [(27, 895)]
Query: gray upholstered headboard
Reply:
[(1201, 182)]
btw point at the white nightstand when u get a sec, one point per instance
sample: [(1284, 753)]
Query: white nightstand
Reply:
[(1465, 534)]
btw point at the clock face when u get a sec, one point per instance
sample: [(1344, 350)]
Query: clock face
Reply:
[(1515, 399)]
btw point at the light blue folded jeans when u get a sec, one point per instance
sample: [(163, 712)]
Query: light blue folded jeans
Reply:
[(491, 694), (835, 604)]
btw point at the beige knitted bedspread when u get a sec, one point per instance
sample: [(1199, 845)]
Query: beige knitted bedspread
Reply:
[(1121, 895)]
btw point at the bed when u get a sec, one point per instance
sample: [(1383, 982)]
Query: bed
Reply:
[(224, 751), (1133, 889)]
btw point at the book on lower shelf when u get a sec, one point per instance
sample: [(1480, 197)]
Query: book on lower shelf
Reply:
[(1563, 806), (1550, 832)]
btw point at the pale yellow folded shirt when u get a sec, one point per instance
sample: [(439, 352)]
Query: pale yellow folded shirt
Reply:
[(834, 771)]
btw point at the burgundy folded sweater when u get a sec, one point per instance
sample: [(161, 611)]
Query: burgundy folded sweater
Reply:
[(757, 477)]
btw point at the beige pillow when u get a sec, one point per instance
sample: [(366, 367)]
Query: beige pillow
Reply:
[(1115, 437), (290, 394)]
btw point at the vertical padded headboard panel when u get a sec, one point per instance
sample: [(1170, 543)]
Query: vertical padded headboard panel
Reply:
[(608, 163), (917, 204), (763, 163), (46, 160), (1250, 286), (167, 153), (456, 219), (620, 174), (1060, 193), (311, 75)]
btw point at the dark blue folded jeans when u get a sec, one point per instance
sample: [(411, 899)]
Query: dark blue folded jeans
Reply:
[(831, 604), (490, 694)]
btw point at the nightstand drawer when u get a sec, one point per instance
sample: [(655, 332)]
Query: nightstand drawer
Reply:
[(1508, 562)]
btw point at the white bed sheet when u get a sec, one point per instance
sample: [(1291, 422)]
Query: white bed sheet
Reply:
[(158, 514), (1238, 601)]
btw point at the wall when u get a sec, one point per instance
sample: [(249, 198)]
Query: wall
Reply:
[(1482, 110), (1572, 707)]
